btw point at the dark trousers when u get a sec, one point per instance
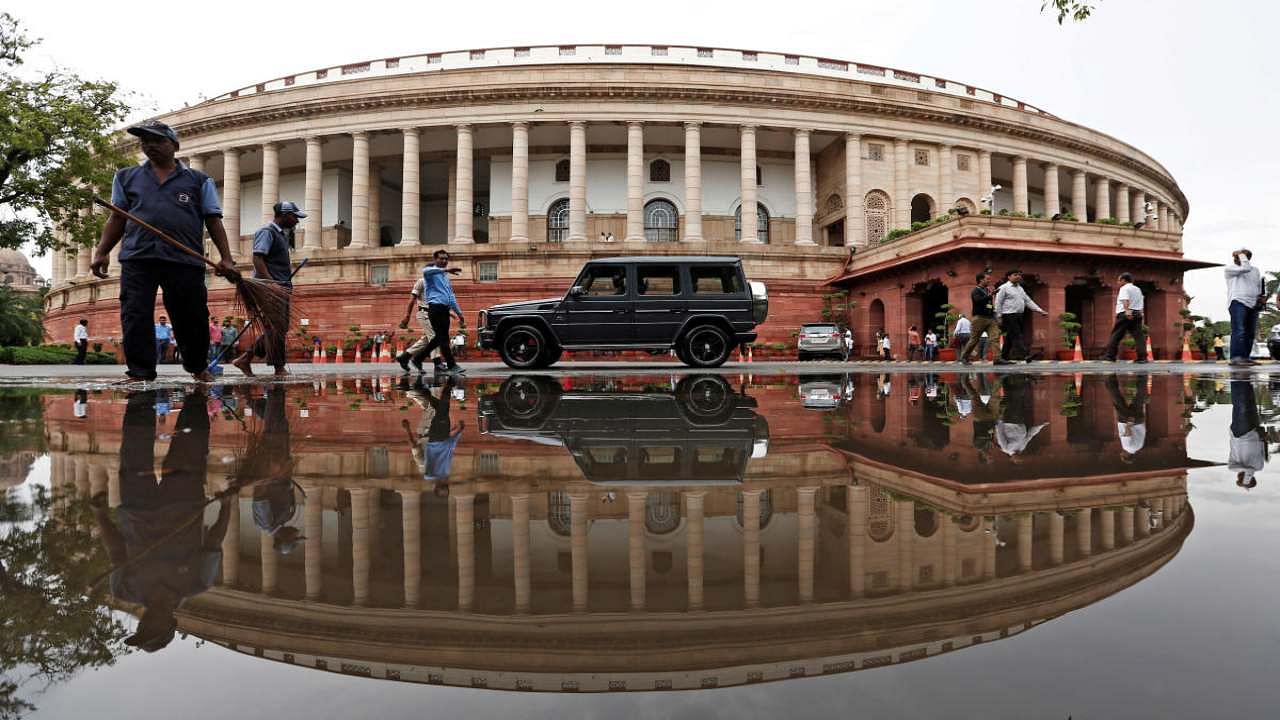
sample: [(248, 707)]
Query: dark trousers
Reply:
[(1127, 326), (1244, 328), (270, 345), (1011, 326), (184, 465), (81, 348), (185, 299), (1134, 412), (438, 315)]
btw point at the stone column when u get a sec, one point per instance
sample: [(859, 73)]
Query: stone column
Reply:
[(519, 182), (465, 524), (196, 162), (1138, 205), (1162, 211), (375, 205), (1102, 197), (804, 190), (1079, 198), (411, 544), (692, 182), (360, 190), (855, 504), (410, 189), (984, 177), (1126, 524), (578, 548), (1084, 531), (945, 166), (1026, 528), (1122, 204), (313, 528), (635, 182), (270, 180), (360, 546), (465, 200), (230, 541), (806, 542), (1143, 525), (1020, 202), (313, 195), (904, 538), (1108, 530), (901, 186), (452, 202), (635, 547), (855, 233), (1052, 193), (577, 181), (1057, 538), (747, 179), (270, 562), (520, 549), (83, 259), (751, 547), (693, 547)]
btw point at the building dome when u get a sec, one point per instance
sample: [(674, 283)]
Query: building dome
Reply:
[(16, 271)]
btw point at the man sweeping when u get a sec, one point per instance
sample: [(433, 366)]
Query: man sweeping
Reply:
[(271, 262), (166, 194)]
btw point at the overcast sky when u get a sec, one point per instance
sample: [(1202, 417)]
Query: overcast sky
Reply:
[(1193, 83)]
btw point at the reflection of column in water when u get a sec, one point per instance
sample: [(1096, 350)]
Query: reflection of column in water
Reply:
[(806, 541), (113, 482), (950, 558), (990, 537), (1026, 531), (1126, 524), (1057, 539), (360, 546), (270, 564), (856, 508), (520, 548), (1108, 529), (1144, 521), (751, 547), (694, 537), (1084, 531), (81, 488), (905, 535), (635, 547), (411, 542), (314, 530), (578, 548), (231, 545), (464, 508)]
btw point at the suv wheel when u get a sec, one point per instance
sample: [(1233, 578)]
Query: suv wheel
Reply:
[(706, 346), (705, 399), (523, 347)]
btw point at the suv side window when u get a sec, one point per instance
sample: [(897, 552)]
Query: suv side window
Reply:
[(604, 281), (656, 280), (715, 280)]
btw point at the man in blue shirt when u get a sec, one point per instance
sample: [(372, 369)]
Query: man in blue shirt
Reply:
[(271, 262), (441, 435), (440, 304), (183, 203), (164, 335)]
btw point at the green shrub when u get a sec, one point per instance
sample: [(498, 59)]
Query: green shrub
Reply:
[(51, 355), (896, 233), (1107, 221), (1004, 212), (1017, 214), (919, 225)]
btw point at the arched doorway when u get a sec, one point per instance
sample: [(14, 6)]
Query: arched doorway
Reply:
[(835, 233), (875, 322), (922, 208), (932, 297)]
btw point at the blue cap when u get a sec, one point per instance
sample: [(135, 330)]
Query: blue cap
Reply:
[(291, 208), (156, 128)]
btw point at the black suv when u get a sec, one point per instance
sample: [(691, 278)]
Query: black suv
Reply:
[(701, 307)]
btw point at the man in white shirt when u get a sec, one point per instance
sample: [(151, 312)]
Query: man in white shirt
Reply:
[(1245, 296), (1011, 304), (1248, 453), (961, 333), (82, 340), (1131, 417), (1129, 309)]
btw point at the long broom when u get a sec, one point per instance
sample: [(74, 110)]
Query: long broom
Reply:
[(217, 358), (265, 300)]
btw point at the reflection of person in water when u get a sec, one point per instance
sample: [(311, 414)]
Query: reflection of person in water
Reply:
[(268, 466), (1013, 430), (80, 406), (985, 406), (162, 552), (1131, 417), (435, 455), (1248, 453)]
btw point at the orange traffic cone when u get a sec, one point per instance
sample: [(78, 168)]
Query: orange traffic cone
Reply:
[(324, 356), (386, 353), (1079, 382), (399, 348), (338, 358), (1151, 355), (315, 355), (1078, 354), (358, 360), (750, 351), (1186, 350)]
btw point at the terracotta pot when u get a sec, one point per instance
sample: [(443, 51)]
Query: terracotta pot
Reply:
[(1128, 354), (1065, 355), (947, 354)]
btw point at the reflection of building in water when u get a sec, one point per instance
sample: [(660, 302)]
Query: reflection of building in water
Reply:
[(529, 577)]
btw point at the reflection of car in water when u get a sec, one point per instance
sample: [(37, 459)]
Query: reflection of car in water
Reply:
[(825, 392), (820, 340), (703, 432)]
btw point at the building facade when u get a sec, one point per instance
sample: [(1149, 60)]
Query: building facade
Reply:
[(525, 162)]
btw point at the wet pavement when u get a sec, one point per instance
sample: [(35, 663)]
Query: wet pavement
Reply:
[(641, 543)]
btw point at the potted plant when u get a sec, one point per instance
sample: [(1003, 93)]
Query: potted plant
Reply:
[(947, 317), (1067, 323)]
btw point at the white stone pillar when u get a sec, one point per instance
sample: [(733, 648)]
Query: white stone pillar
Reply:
[(984, 178), (1126, 524), (360, 189), (519, 182), (747, 183), (465, 201), (1122, 204), (1026, 526), (577, 181), (1162, 212), (375, 205), (230, 541), (1137, 203), (411, 544), (520, 549), (452, 201), (196, 162), (901, 185), (1052, 193), (313, 195), (313, 528), (360, 556), (1143, 526), (1079, 196), (270, 180), (1057, 537), (692, 182), (411, 188), (635, 182), (578, 549), (855, 503), (855, 233), (806, 541), (1020, 202), (270, 562), (751, 547), (636, 547), (1084, 531), (1102, 197), (1108, 529), (694, 547), (83, 260), (804, 189), (945, 186), (464, 508)]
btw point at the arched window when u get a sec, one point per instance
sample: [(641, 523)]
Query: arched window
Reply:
[(558, 512), (834, 203), (880, 520), (558, 221), (967, 204), (876, 211), (661, 221), (659, 171), (562, 171), (921, 208), (762, 223)]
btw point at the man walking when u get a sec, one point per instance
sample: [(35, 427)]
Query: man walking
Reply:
[(271, 262), (1011, 305), (82, 340), (1129, 307), (984, 317), (417, 300), (1246, 295), (184, 203), (440, 304), (960, 335), (1131, 417)]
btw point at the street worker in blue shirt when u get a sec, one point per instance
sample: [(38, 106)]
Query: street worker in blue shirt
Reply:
[(440, 303), (271, 262), (183, 203)]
